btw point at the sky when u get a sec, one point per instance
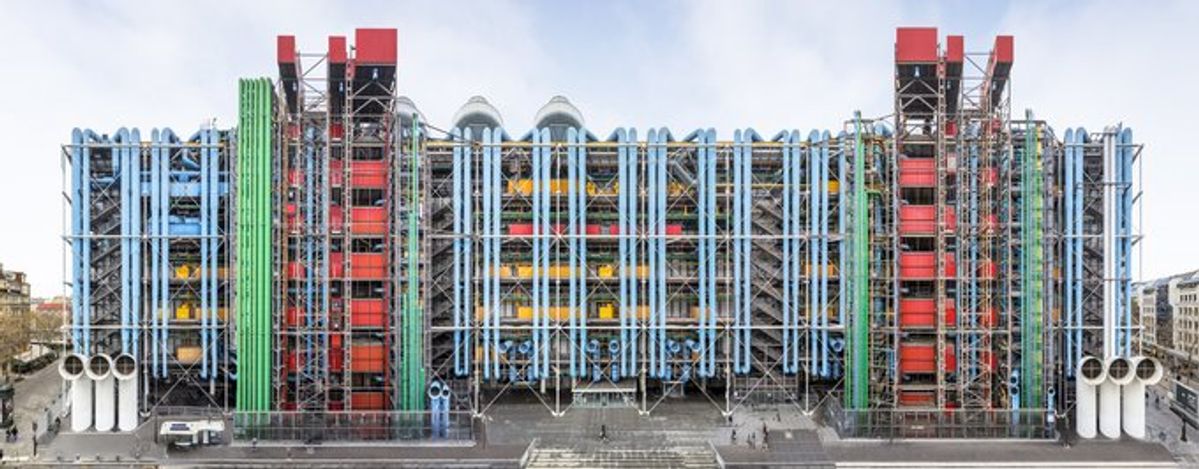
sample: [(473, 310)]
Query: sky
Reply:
[(681, 64)]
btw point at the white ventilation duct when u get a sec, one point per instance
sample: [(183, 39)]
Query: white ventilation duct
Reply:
[(99, 369), (405, 109), (72, 370), (1090, 374), (1119, 373), (558, 115), (477, 114), (124, 369), (1147, 371)]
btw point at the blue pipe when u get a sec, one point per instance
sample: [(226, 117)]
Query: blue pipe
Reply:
[(651, 252), (1067, 254), (632, 231), (78, 179), (167, 140), (202, 137), (1125, 221), (1080, 138), (614, 349), (795, 260), (155, 255), (738, 234), (545, 255), (788, 255), (701, 246), (456, 137), (663, 138), (120, 156), (813, 250), (488, 269), (468, 248), (582, 271), (572, 247), (539, 231), (497, 136), (824, 257), (710, 219), (622, 241), (214, 197)]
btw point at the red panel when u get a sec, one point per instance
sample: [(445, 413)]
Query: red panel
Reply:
[(919, 312), (367, 265), (336, 218), (337, 49), (368, 220), (614, 229), (955, 49), (674, 229), (368, 174), (363, 400), (520, 229), (922, 266), (367, 313), (917, 398), (922, 219), (367, 358), (337, 266), (920, 358), (987, 270), (1004, 49), (594, 229), (285, 49), (375, 46), (915, 45), (337, 357), (917, 172)]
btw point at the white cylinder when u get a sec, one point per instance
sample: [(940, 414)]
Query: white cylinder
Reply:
[(72, 370), (1147, 372), (99, 369), (1119, 374), (1091, 373), (124, 369)]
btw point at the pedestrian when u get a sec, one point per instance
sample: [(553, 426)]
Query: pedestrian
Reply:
[(34, 438), (733, 437), (604, 433)]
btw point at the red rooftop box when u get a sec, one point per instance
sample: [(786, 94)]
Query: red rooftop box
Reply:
[(916, 45), (375, 46)]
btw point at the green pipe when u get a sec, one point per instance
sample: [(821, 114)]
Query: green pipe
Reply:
[(1032, 221), (253, 245), (859, 341)]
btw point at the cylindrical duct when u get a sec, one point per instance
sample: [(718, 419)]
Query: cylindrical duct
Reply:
[(1147, 371), (1119, 373), (558, 115), (1090, 375), (124, 369), (99, 369), (477, 114), (72, 370)]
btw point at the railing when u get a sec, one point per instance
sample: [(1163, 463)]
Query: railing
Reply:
[(888, 424), (351, 426)]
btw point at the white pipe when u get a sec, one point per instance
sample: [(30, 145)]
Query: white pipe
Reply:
[(1091, 373), (125, 371), (1111, 347), (1119, 373), (1147, 371), (72, 370), (99, 369)]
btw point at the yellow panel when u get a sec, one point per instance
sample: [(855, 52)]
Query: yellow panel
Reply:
[(524, 312), (607, 312), (188, 354), (606, 271)]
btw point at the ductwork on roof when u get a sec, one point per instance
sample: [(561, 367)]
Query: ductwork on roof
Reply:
[(558, 115), (405, 109), (477, 114)]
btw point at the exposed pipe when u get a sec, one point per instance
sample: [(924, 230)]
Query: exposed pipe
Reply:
[(1091, 374), (1119, 374), (1067, 256), (1147, 371), (99, 370), (489, 270), (125, 371), (72, 370)]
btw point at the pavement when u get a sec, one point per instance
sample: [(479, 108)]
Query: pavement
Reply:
[(37, 399), (692, 430)]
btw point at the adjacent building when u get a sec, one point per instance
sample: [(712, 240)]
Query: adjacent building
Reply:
[(1169, 314), (14, 291)]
